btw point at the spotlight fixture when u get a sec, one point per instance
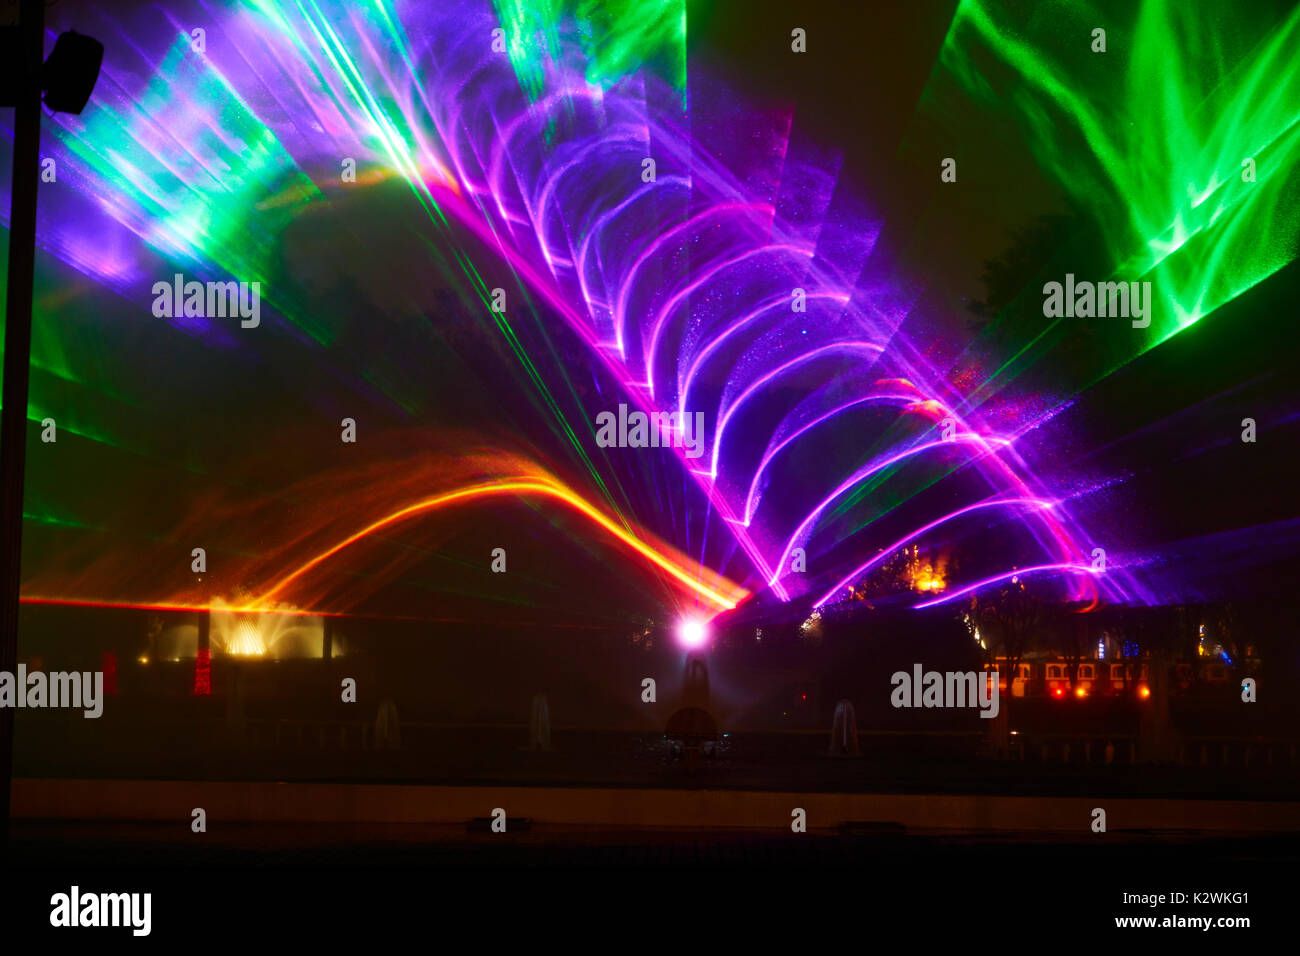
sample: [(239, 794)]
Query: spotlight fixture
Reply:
[(68, 76)]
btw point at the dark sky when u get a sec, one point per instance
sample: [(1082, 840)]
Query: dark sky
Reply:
[(857, 89)]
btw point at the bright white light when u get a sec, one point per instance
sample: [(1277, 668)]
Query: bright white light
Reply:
[(246, 641), (692, 633)]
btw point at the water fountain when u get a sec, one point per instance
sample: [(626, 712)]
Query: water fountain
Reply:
[(844, 731), (539, 724), (388, 728)]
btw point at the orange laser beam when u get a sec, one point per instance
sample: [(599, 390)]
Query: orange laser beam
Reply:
[(515, 487)]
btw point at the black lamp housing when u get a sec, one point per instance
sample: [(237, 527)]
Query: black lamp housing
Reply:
[(69, 74)]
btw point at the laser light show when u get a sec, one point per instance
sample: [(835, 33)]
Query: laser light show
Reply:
[(442, 417)]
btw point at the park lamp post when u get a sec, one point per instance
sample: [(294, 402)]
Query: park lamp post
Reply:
[(63, 83)]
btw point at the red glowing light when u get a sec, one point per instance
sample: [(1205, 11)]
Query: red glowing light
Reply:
[(203, 673), (110, 673)]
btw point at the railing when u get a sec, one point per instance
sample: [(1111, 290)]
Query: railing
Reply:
[(1086, 749), (279, 732)]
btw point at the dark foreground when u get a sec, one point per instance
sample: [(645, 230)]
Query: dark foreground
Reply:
[(293, 882)]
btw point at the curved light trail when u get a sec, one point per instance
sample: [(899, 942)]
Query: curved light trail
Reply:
[(520, 486)]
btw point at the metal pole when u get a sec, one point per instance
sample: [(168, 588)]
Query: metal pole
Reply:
[(17, 363)]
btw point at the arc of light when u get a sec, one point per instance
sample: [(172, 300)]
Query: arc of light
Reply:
[(496, 168), (684, 385), (552, 181), (501, 143), (603, 220), (625, 290), (858, 476), (750, 499), (1078, 568), (661, 316), (459, 208), (452, 129), (1063, 538), (514, 486), (891, 549), (494, 174), (780, 370)]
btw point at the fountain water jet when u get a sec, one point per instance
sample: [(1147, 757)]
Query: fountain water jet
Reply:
[(844, 731)]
